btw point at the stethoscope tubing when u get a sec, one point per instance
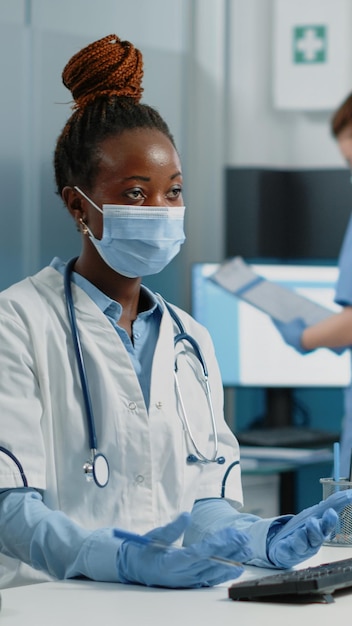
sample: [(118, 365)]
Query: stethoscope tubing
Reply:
[(185, 337), (93, 442)]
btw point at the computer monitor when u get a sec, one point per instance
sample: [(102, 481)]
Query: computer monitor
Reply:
[(296, 215), (250, 350)]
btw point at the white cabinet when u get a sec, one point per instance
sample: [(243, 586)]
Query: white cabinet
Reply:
[(261, 494)]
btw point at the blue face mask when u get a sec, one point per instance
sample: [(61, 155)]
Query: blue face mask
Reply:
[(138, 240)]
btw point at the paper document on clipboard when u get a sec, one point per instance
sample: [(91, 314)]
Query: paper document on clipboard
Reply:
[(279, 302)]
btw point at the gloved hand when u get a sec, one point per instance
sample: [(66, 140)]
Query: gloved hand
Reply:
[(302, 536), (291, 332), (186, 567)]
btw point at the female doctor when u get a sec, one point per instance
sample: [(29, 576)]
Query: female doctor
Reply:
[(103, 380)]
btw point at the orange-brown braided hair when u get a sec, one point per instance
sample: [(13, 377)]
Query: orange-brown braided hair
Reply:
[(106, 67), (105, 79)]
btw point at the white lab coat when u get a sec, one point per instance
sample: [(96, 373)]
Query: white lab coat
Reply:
[(43, 423)]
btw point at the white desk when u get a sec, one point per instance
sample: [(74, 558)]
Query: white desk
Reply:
[(76, 603)]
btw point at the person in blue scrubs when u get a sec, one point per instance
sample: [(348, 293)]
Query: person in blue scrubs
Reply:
[(336, 331), (341, 127)]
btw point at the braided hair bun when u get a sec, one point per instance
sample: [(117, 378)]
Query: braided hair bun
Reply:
[(107, 67), (105, 79)]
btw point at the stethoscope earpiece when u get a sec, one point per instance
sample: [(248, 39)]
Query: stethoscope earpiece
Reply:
[(192, 458)]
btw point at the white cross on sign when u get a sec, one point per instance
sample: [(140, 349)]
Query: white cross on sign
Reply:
[(310, 44)]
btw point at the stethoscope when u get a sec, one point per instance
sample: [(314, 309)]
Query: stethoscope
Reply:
[(199, 457), (97, 467)]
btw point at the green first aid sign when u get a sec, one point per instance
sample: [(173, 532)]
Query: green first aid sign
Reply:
[(310, 44)]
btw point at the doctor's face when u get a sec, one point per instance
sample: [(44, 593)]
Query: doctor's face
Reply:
[(138, 167)]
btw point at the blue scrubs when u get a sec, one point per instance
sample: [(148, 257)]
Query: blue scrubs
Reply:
[(343, 297)]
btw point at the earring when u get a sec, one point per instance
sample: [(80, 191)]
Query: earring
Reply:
[(83, 227)]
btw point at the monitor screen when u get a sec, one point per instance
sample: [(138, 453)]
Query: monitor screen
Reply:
[(296, 215), (249, 349)]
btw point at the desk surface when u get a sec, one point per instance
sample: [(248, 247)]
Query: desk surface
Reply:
[(77, 602)]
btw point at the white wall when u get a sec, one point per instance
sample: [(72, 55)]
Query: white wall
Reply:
[(37, 37), (258, 133)]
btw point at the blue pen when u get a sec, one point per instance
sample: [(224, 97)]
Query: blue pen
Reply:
[(336, 462), (148, 541)]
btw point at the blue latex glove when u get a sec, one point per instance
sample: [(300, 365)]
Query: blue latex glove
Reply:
[(291, 332), (302, 536), (182, 568)]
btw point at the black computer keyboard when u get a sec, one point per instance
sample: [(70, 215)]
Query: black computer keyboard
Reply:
[(321, 580)]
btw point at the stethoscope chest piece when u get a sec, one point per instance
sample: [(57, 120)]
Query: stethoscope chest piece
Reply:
[(97, 470)]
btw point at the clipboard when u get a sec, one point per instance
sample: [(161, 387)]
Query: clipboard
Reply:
[(279, 302)]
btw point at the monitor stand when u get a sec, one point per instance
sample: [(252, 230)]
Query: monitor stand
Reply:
[(277, 429)]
